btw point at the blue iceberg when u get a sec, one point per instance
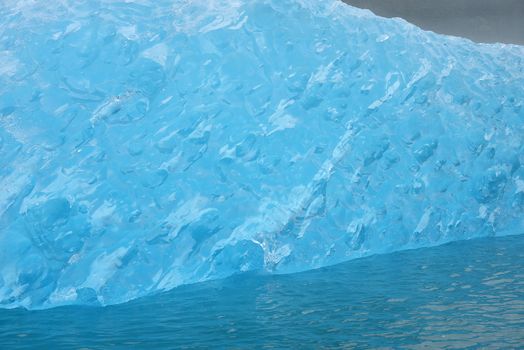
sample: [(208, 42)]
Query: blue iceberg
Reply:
[(148, 144)]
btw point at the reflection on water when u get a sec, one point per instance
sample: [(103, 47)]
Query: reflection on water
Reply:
[(464, 294)]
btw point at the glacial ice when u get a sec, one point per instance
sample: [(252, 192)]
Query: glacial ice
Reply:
[(146, 144)]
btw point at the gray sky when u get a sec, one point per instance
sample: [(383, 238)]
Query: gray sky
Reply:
[(478, 20)]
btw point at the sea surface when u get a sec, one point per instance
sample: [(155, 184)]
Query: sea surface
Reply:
[(467, 294)]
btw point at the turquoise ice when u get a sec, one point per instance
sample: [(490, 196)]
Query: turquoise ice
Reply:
[(148, 144)]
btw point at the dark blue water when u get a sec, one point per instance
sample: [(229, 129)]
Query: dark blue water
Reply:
[(461, 295)]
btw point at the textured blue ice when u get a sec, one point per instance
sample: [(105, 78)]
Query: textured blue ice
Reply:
[(147, 144)]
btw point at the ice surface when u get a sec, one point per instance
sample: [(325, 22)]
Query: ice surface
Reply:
[(147, 144)]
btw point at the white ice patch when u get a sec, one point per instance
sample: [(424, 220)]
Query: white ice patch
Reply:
[(425, 68), (382, 38), (483, 211), (239, 24), (157, 53), (72, 27), (192, 16), (190, 211), (520, 185), (424, 221), (63, 295), (104, 267), (390, 91), (281, 120), (129, 32), (104, 214), (272, 258), (9, 64)]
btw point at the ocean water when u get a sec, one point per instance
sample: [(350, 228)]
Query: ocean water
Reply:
[(462, 295)]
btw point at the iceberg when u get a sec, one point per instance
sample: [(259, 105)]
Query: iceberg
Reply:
[(148, 144)]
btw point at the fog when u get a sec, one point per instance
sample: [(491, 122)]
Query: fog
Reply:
[(479, 20)]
